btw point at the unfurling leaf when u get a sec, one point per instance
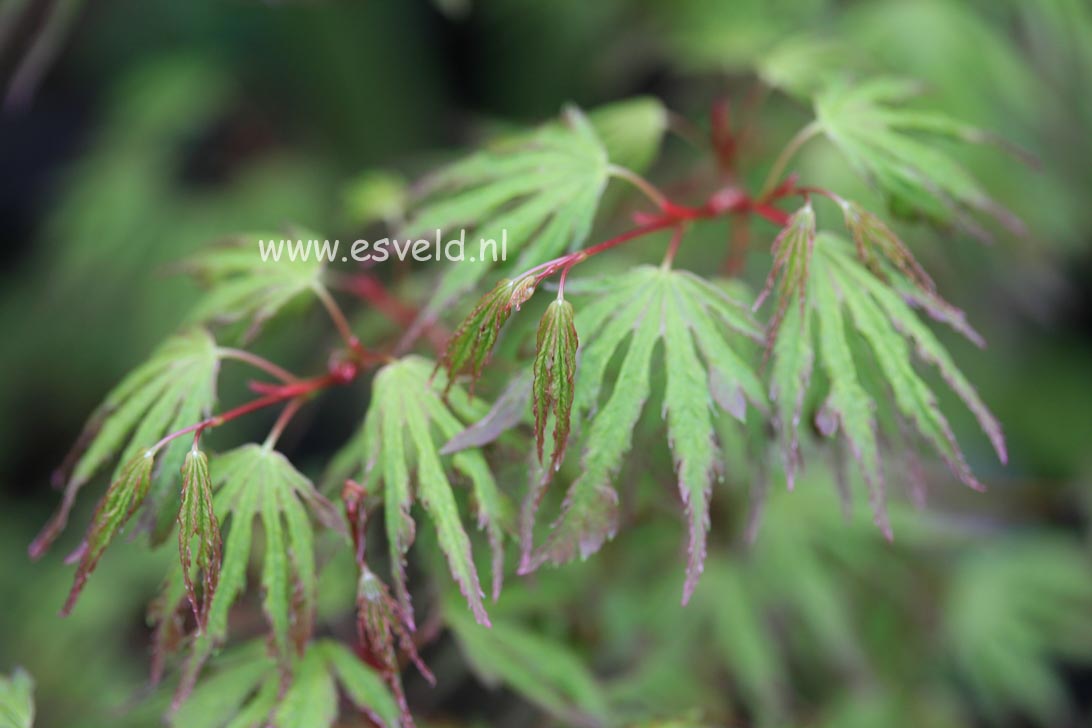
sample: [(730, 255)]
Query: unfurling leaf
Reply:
[(691, 316), (872, 237), (380, 620), (198, 530), (554, 370), (174, 389), (248, 284), (115, 509), (256, 482), (471, 345), (792, 250), (880, 138), (407, 422)]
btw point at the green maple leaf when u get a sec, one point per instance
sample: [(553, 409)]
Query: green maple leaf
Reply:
[(248, 689), (539, 669), (841, 293), (554, 371), (540, 190), (412, 414), (883, 141), (199, 530), (256, 482), (175, 388), (245, 288), (471, 346), (695, 321)]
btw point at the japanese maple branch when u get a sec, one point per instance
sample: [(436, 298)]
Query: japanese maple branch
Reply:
[(271, 395), (728, 200)]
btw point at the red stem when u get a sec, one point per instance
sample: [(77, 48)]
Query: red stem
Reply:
[(274, 394)]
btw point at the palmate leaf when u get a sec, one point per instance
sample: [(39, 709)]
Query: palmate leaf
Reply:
[(255, 482), (539, 191), (841, 292), (542, 670), (881, 139), (175, 388), (244, 287), (694, 320), (248, 690), (412, 414)]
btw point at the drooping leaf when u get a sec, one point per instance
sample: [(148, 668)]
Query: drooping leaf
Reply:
[(398, 447), (884, 141), (538, 191), (382, 627), (255, 482), (174, 389), (554, 370), (848, 405), (245, 286), (841, 291), (17, 700), (540, 669), (471, 345), (115, 509), (694, 320), (198, 530)]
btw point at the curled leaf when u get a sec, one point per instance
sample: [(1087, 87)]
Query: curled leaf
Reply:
[(115, 509), (176, 387), (198, 530), (471, 345), (554, 372), (792, 251)]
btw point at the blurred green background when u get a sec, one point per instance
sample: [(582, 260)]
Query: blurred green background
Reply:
[(160, 126)]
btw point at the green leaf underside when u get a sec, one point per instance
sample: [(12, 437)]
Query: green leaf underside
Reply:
[(198, 530), (695, 321), (882, 140), (242, 286), (540, 190), (248, 690), (841, 292), (175, 388), (554, 370), (254, 482), (397, 451)]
